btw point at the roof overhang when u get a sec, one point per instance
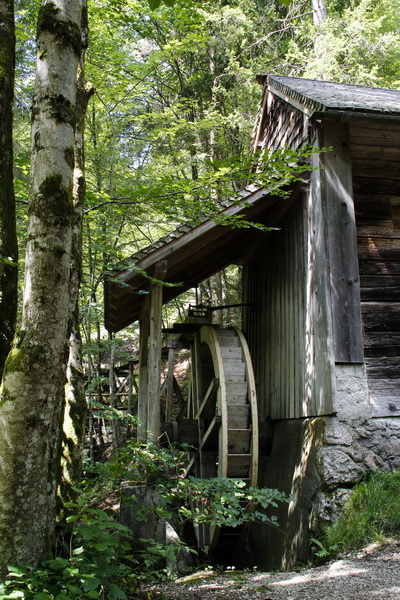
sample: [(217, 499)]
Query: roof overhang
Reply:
[(327, 100), (191, 256)]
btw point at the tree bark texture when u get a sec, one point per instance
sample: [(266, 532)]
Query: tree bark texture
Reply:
[(75, 402), (8, 235), (32, 395)]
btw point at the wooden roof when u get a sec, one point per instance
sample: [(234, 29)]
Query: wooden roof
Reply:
[(325, 97), (192, 255)]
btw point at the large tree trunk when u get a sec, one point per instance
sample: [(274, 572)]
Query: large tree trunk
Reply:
[(75, 401), (34, 376), (8, 235)]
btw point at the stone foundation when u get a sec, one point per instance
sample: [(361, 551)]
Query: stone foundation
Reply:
[(319, 460)]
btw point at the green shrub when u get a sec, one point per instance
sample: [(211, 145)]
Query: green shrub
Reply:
[(100, 563), (371, 514), (99, 559)]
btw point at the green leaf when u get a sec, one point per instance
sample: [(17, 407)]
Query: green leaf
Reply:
[(101, 546), (43, 596), (72, 518), (57, 563), (154, 4), (74, 589), (116, 592), (91, 584)]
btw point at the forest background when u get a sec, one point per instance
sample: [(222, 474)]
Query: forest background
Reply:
[(171, 104)]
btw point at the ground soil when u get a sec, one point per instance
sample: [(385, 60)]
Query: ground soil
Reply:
[(370, 574)]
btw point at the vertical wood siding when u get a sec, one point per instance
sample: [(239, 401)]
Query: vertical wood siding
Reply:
[(288, 325), (375, 150)]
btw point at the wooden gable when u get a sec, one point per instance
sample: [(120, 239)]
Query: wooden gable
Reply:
[(342, 238)]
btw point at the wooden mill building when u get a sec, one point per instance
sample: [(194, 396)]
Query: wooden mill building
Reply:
[(321, 296)]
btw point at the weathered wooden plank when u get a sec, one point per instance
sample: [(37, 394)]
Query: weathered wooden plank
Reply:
[(377, 267), (379, 230), (380, 278), (228, 352), (382, 367), (386, 170), (238, 416), (381, 316), (234, 369), (377, 136), (379, 153), (379, 350), (380, 295), (236, 392), (238, 465), (388, 387), (337, 195), (385, 406), (373, 209), (382, 339), (376, 185), (239, 441), (380, 288), (380, 249)]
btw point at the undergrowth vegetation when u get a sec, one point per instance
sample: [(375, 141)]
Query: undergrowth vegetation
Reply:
[(98, 558), (371, 514)]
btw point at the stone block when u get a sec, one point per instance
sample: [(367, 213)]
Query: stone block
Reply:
[(337, 468)]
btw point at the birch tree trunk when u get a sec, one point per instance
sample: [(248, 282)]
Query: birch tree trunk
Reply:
[(32, 392), (75, 401), (8, 235)]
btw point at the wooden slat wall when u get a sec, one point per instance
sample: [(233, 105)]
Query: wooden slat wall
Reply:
[(287, 325), (283, 125), (375, 150)]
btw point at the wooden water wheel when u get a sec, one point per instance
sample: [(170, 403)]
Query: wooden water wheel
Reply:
[(223, 401)]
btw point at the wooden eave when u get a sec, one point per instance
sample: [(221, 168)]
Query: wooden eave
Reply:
[(191, 256)]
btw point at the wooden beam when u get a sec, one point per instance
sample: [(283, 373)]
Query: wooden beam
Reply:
[(144, 328), (170, 378), (209, 400), (154, 372), (340, 223)]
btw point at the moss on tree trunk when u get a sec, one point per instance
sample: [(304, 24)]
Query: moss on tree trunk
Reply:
[(32, 393)]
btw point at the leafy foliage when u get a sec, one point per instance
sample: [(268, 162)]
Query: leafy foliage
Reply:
[(100, 564), (100, 559), (357, 43), (223, 501), (371, 514)]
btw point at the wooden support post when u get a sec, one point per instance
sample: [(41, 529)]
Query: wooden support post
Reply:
[(144, 326), (154, 373), (337, 194), (130, 388), (170, 378)]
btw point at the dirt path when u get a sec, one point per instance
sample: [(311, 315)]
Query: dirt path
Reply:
[(368, 575)]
